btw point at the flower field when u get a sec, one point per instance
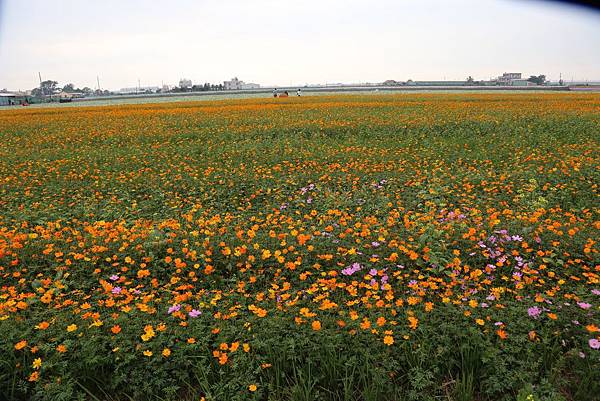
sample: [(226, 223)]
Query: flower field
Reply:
[(393, 247)]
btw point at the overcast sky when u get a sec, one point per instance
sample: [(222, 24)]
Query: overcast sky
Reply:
[(291, 42)]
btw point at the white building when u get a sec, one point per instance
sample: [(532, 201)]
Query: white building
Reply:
[(236, 84), (185, 83), (250, 86), (139, 89), (508, 77)]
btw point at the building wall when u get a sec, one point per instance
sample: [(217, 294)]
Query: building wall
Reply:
[(6, 100), (521, 82), (234, 84)]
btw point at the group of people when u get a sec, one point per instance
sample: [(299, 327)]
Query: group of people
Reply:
[(286, 93)]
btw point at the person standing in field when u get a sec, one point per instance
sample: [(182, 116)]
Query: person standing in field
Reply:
[(299, 92)]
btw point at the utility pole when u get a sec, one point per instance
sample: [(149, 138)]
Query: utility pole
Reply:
[(41, 90), (139, 88), (98, 81)]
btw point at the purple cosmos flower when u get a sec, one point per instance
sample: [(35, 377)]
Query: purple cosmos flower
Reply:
[(517, 238), (373, 272), (375, 244), (114, 277), (116, 290), (350, 270), (594, 343), (194, 313), (498, 324), (534, 311), (174, 308), (596, 292), (584, 305)]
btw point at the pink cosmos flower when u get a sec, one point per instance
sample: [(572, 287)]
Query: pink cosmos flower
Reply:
[(534, 311), (174, 308)]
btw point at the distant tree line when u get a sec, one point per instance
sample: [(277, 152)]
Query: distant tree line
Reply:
[(199, 88), (539, 80), (50, 87)]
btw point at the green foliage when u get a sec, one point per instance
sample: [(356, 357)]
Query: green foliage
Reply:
[(179, 188)]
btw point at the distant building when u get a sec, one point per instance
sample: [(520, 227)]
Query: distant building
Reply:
[(14, 98), (521, 82), (233, 84), (7, 99), (249, 85), (439, 83), (138, 89), (185, 83), (236, 84), (508, 77)]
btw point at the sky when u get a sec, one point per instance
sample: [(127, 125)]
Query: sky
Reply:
[(281, 42)]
